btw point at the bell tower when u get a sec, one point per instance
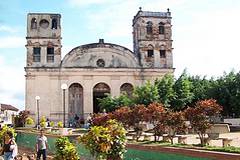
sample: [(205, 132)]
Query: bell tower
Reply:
[(152, 39), (43, 40)]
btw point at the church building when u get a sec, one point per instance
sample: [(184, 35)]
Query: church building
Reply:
[(72, 84)]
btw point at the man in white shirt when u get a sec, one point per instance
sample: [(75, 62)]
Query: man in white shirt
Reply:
[(41, 146)]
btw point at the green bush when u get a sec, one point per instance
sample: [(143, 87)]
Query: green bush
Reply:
[(29, 121), (110, 103), (52, 124), (65, 150), (60, 124), (43, 121), (106, 141)]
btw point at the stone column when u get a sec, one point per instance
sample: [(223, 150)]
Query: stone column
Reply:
[(87, 97), (115, 83), (156, 58)]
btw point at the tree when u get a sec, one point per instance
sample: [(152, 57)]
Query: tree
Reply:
[(175, 123), (227, 93), (165, 89), (155, 114), (136, 117), (225, 89), (199, 116), (146, 94), (110, 103), (200, 88), (182, 87), (23, 115)]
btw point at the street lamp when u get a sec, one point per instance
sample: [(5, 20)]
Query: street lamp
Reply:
[(64, 87), (37, 98)]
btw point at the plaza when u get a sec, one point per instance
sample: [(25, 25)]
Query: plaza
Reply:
[(101, 80)]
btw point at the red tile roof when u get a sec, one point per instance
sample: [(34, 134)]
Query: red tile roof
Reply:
[(8, 107)]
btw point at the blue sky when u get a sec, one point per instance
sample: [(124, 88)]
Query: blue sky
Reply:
[(205, 33)]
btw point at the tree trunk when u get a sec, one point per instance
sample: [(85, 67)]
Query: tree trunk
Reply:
[(171, 139), (202, 139), (155, 135)]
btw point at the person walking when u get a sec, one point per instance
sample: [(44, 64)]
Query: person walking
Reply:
[(9, 146), (41, 146)]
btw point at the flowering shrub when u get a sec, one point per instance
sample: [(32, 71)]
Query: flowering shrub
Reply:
[(65, 150), (100, 119), (122, 115), (4, 130), (106, 142), (29, 121)]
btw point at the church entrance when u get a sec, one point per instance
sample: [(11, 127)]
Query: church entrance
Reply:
[(75, 106), (99, 91)]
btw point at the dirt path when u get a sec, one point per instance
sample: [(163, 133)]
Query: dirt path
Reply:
[(25, 152)]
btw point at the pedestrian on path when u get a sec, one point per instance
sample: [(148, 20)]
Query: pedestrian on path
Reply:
[(41, 146), (9, 146)]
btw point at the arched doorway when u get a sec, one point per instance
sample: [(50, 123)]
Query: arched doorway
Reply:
[(99, 91), (126, 88), (75, 100)]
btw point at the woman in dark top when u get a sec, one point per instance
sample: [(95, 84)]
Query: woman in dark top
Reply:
[(9, 146)]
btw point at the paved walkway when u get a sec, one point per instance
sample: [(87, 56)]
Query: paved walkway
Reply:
[(26, 152)]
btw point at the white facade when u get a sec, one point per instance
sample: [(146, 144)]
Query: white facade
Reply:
[(89, 70)]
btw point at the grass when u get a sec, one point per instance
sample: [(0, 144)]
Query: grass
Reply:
[(229, 149)]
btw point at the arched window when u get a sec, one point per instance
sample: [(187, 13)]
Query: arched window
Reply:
[(150, 51), (161, 28), (50, 54), (149, 27), (54, 23), (127, 88), (34, 23)]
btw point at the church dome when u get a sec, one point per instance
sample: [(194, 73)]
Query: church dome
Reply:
[(100, 54)]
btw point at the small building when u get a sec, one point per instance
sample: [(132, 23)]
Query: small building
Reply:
[(7, 113)]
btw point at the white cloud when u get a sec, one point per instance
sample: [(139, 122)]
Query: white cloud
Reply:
[(205, 38), (115, 21), (81, 3), (12, 42), (66, 49), (4, 28), (208, 45), (12, 84), (1, 60)]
